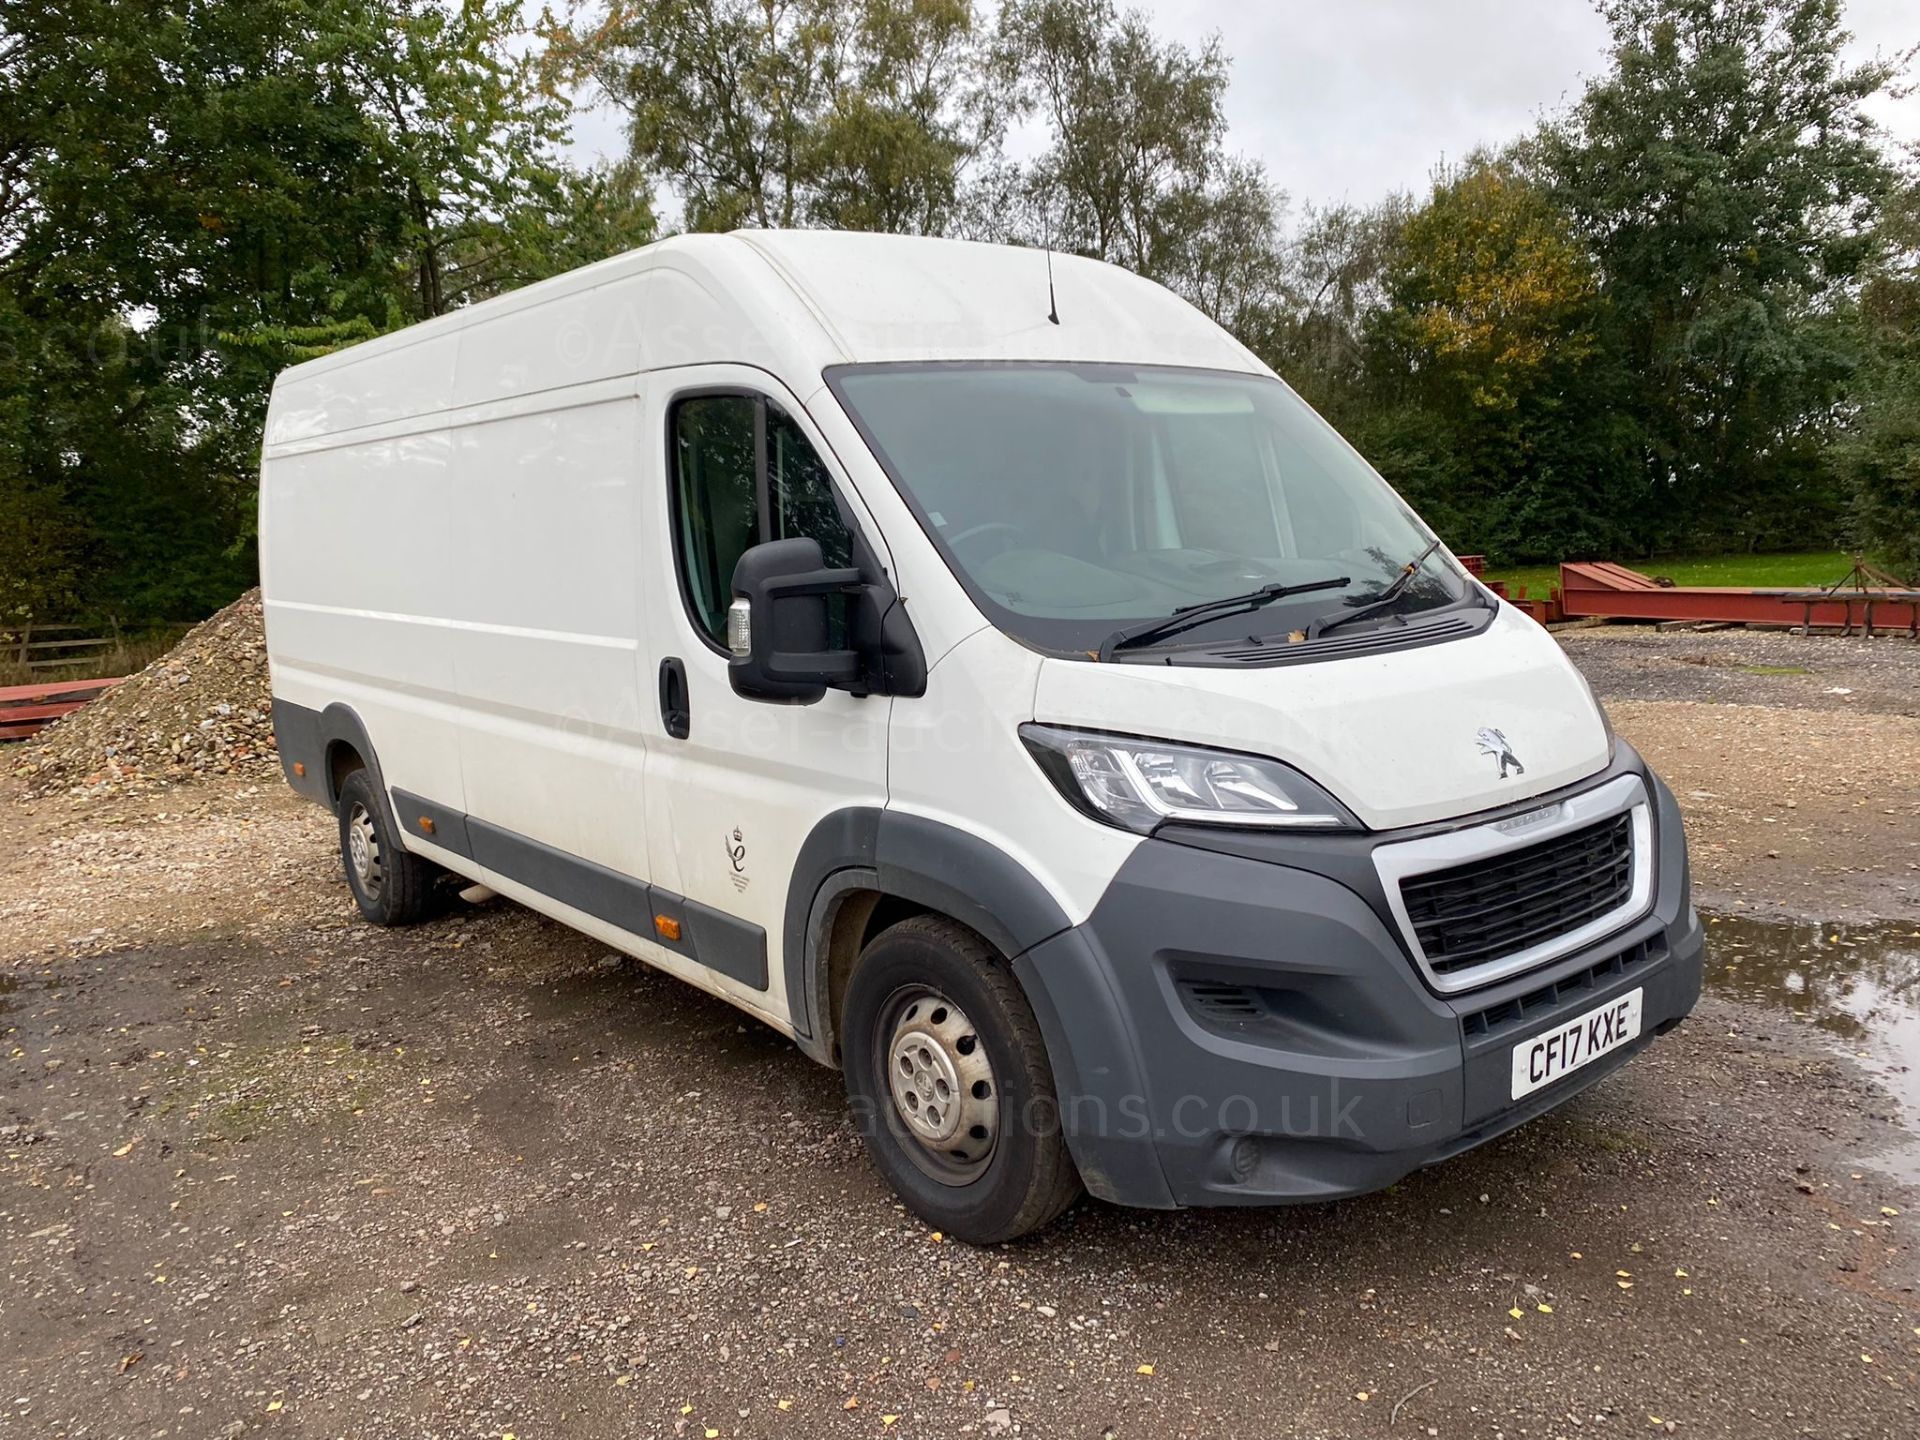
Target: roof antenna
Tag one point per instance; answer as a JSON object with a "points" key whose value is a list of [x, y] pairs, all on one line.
{"points": [[1053, 306]]}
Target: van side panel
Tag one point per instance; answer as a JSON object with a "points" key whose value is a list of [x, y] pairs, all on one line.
{"points": [[546, 559], [354, 558], [409, 377], [540, 346]]}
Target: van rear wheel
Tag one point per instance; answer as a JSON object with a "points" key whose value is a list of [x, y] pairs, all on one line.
{"points": [[949, 1079], [392, 885]]}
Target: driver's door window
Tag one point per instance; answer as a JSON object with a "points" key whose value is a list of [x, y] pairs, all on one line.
{"points": [[743, 473]]}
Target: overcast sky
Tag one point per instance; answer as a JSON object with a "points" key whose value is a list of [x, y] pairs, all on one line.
{"points": [[1354, 99]]}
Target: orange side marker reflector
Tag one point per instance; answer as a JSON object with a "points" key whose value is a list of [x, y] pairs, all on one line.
{"points": [[667, 926], [299, 767], [426, 824]]}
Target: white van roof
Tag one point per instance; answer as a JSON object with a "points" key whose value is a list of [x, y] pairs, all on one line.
{"points": [[792, 302], [903, 297]]}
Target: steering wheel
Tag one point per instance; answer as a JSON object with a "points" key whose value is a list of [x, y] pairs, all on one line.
{"points": [[973, 532]]}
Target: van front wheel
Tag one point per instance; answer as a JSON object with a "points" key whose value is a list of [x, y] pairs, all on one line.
{"points": [[392, 885], [949, 1080]]}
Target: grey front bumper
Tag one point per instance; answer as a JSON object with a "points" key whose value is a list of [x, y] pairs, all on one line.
{"points": [[1229, 1030]]}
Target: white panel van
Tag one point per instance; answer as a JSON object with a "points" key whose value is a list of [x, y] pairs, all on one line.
{"points": [[990, 675]]}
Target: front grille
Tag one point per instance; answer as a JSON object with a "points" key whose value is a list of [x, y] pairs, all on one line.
{"points": [[1487, 909], [1526, 1011]]}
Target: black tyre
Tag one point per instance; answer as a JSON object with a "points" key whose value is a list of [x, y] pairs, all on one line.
{"points": [[949, 1081], [392, 885]]}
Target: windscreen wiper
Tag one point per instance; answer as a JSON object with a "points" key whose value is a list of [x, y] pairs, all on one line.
{"points": [[1379, 602], [1188, 616]]}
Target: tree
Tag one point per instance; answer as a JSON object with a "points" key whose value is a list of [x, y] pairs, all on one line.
{"points": [[195, 194], [462, 131], [1137, 172], [906, 118], [1882, 454], [1334, 269], [1493, 287], [1227, 258], [1136, 125], [40, 548], [576, 217], [1490, 326], [859, 114], [1726, 178]]}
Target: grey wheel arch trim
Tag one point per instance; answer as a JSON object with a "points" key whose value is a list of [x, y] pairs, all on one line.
{"points": [[962, 876], [296, 738], [308, 736], [908, 857], [340, 725]]}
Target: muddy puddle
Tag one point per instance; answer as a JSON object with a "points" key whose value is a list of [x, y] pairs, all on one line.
{"points": [[1857, 986]]}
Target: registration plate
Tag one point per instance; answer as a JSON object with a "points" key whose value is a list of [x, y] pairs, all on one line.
{"points": [[1565, 1048]]}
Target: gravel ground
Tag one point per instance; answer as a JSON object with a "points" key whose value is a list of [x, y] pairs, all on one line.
{"points": [[1749, 667], [267, 1170], [1802, 789], [1819, 820]]}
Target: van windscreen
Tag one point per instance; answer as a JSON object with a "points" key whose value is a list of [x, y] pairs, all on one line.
{"points": [[1072, 499]]}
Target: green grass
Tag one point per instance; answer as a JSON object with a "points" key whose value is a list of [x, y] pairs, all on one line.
{"points": [[1788, 571]]}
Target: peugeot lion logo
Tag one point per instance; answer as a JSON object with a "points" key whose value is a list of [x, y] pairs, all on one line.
{"points": [[1493, 742]]}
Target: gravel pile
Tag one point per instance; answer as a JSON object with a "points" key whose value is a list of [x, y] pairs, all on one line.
{"points": [[200, 709]]}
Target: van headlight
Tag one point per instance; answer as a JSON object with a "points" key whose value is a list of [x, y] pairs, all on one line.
{"points": [[1138, 784]]}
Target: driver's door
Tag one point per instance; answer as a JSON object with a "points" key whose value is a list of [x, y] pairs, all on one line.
{"points": [[734, 785]]}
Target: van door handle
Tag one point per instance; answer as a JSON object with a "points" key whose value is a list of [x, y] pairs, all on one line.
{"points": [[673, 698]]}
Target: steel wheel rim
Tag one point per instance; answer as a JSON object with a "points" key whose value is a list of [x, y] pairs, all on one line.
{"points": [[946, 1099], [363, 848]]}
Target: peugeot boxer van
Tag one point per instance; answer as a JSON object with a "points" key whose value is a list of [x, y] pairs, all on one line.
{"points": [[979, 667]]}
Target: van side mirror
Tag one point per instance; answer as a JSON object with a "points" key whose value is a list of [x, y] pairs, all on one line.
{"points": [[779, 627]]}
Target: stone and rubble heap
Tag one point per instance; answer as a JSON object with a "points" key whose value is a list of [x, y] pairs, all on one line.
{"points": [[202, 709]]}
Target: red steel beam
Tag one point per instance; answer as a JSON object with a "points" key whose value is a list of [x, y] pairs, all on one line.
{"points": [[1604, 575], [54, 689], [25, 710], [1585, 593]]}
